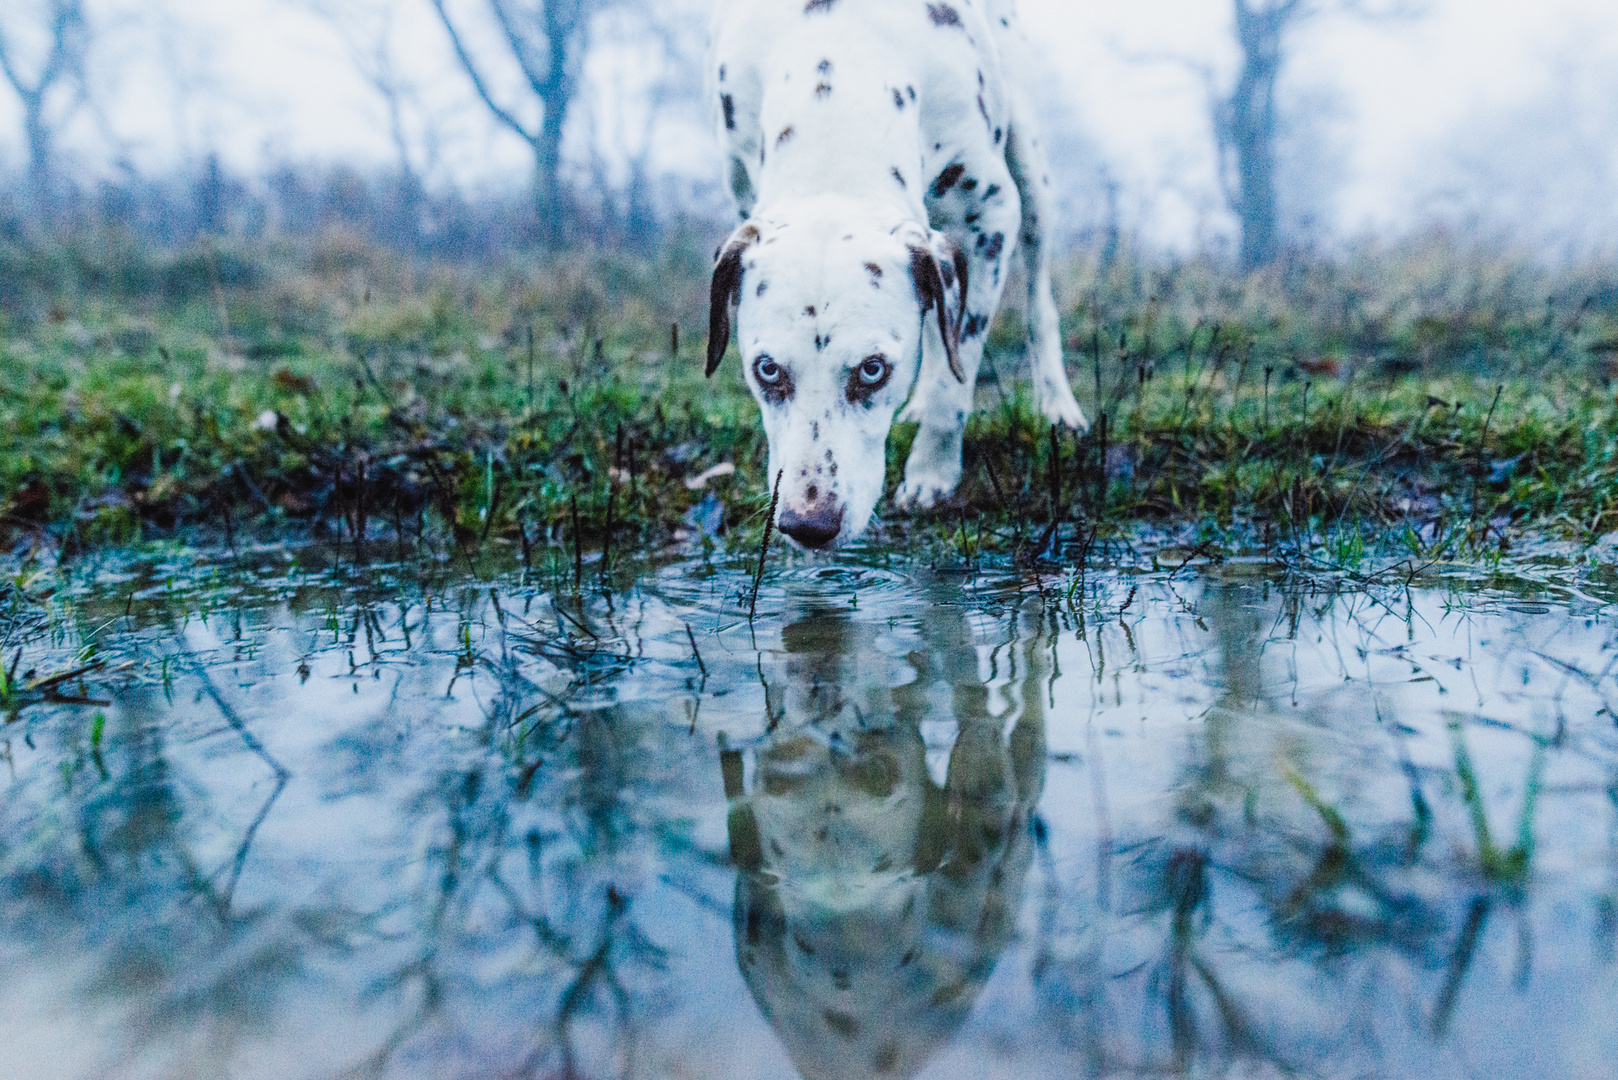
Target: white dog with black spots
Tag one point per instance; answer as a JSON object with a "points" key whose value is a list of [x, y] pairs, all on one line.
{"points": [[886, 168]]}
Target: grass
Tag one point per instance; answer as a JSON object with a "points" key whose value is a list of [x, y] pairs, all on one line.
{"points": [[559, 409]]}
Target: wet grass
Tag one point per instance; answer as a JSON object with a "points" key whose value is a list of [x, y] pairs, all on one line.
{"points": [[558, 411]]}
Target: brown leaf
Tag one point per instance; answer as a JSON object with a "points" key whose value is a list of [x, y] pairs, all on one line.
{"points": [[293, 383]]}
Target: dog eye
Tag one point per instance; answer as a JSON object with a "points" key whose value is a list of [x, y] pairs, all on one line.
{"points": [[874, 372], [767, 370]]}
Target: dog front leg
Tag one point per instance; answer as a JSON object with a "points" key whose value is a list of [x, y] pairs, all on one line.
{"points": [[1053, 396], [941, 404]]}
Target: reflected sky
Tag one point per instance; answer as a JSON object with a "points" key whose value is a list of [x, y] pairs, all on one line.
{"points": [[903, 824]]}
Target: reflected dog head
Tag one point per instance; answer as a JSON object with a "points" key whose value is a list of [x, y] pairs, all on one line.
{"points": [[878, 880]]}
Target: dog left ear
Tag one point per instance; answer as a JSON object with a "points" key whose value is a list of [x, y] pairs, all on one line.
{"points": [[939, 270], [725, 294]]}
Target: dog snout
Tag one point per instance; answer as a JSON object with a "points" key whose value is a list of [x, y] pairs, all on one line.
{"points": [[814, 527]]}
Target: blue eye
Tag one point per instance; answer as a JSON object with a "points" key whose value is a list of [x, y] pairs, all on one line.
{"points": [[874, 372], [767, 370]]}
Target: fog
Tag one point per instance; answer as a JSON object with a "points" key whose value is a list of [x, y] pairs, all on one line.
{"points": [[1495, 116]]}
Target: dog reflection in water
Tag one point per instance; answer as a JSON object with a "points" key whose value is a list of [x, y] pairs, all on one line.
{"points": [[874, 893]]}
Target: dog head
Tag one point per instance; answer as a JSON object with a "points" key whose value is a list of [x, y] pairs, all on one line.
{"points": [[832, 302]]}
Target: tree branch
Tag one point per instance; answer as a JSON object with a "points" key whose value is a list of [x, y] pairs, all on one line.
{"points": [[478, 83], [519, 50]]}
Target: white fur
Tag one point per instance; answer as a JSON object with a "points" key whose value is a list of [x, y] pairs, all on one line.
{"points": [[857, 130]]}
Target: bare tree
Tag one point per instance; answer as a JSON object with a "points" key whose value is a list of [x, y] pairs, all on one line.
{"points": [[55, 87], [644, 93], [1246, 118], [547, 40], [367, 33]]}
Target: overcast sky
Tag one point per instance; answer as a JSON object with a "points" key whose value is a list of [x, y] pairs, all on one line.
{"points": [[260, 80]]}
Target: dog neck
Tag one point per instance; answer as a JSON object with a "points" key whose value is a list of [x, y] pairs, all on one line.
{"points": [[850, 128]]}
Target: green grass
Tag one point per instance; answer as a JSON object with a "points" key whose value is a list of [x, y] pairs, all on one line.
{"points": [[338, 391]]}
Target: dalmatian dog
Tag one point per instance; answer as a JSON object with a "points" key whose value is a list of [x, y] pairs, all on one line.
{"points": [[886, 169]]}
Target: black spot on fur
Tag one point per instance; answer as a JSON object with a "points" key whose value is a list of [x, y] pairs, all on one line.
{"points": [[969, 184], [899, 176], [974, 325], [998, 135], [823, 90], [728, 104], [818, 5], [810, 311], [973, 217], [898, 100], [721, 72], [873, 269], [990, 192], [763, 287], [984, 109], [997, 244], [824, 67], [843, 1024], [943, 15], [786, 133], [886, 1059], [947, 272], [947, 179], [911, 90], [822, 342]]}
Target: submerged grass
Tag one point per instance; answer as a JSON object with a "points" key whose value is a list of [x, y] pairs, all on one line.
{"points": [[345, 395]]}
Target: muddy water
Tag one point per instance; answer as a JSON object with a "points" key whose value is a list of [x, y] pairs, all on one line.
{"points": [[1225, 822]]}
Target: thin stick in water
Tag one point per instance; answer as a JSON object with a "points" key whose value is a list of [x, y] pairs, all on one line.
{"points": [[578, 549], [696, 652], [764, 545]]}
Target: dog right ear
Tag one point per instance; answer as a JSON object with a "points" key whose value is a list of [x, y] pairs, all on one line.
{"points": [[725, 294], [939, 269]]}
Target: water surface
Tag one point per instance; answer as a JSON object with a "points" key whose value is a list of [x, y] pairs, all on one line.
{"points": [[1225, 821]]}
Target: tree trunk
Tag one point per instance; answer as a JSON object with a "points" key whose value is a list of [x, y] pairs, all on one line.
{"points": [[1250, 129], [562, 30], [39, 155]]}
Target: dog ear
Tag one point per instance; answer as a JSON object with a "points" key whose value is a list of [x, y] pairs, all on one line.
{"points": [[725, 294], [940, 273]]}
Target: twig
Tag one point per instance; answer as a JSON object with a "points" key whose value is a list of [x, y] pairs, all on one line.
{"points": [[696, 652], [494, 508], [578, 550], [1055, 477], [764, 545]]}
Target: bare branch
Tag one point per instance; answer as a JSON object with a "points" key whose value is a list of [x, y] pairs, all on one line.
{"points": [[478, 83], [520, 49]]}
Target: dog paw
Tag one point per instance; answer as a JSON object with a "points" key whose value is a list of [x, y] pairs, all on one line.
{"points": [[924, 489], [1057, 404], [921, 494]]}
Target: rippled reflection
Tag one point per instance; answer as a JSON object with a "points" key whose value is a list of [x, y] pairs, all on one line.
{"points": [[898, 824], [876, 893]]}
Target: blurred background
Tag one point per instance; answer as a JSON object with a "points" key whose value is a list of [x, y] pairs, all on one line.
{"points": [[1237, 130]]}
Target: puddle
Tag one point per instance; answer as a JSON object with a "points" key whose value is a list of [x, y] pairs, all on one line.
{"points": [[900, 824]]}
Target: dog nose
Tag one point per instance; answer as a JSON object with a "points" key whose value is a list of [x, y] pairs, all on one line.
{"points": [[814, 528]]}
